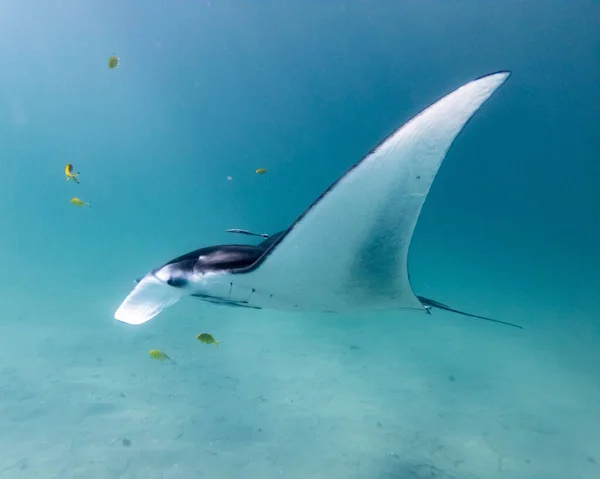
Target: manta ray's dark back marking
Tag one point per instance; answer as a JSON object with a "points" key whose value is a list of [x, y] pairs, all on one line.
{"points": [[279, 239], [221, 257], [218, 258]]}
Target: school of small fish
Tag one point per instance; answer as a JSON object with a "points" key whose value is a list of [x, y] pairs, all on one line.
{"points": [[205, 338], [71, 174], [113, 62]]}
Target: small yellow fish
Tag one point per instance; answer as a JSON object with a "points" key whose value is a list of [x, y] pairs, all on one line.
{"points": [[113, 62], [69, 173], [261, 171], [208, 339], [160, 355], [78, 202]]}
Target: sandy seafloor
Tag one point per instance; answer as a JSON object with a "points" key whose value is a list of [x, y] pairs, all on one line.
{"points": [[398, 396], [208, 90]]}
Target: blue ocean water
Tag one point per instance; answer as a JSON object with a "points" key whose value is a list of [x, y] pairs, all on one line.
{"points": [[213, 89]]}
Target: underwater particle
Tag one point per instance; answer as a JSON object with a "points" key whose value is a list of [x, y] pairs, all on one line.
{"points": [[69, 173], [591, 460], [78, 202], [208, 339], [451, 378], [354, 347], [113, 61], [379, 424], [229, 178], [159, 355], [261, 171], [126, 442]]}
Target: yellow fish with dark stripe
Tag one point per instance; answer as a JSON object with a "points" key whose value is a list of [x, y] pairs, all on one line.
{"points": [[78, 202], [159, 355], [113, 61], [69, 173], [208, 339]]}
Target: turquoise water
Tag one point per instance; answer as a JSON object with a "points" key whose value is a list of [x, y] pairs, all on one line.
{"points": [[207, 90]]}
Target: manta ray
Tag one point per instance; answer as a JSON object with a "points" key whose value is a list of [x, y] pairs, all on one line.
{"points": [[348, 252]]}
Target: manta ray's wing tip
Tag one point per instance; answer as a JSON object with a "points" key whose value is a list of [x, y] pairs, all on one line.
{"points": [[505, 73], [500, 75], [492, 81]]}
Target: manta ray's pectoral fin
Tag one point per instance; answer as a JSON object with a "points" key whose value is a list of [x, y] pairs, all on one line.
{"points": [[430, 303]]}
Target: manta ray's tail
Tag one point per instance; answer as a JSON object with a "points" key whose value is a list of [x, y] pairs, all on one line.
{"points": [[430, 303]]}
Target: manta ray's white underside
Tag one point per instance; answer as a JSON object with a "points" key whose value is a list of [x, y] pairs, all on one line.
{"points": [[349, 250]]}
